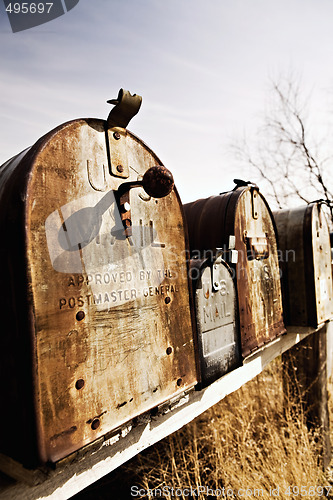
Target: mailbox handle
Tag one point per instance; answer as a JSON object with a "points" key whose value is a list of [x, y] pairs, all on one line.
{"points": [[157, 182], [257, 248]]}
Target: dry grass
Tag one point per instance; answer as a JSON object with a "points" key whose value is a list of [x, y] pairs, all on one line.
{"points": [[248, 441]]}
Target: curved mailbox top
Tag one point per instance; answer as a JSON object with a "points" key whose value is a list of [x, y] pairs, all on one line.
{"points": [[241, 221], [304, 241], [97, 300]]}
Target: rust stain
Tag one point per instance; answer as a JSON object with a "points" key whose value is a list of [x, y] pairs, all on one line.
{"points": [[211, 222], [305, 246], [107, 305], [65, 433]]}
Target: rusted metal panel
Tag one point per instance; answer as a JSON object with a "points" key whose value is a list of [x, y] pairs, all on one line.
{"points": [[216, 317], [241, 220], [304, 243], [99, 325]]}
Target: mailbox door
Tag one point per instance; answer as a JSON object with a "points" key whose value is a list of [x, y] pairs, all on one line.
{"points": [[245, 215], [111, 317], [321, 263], [217, 319], [258, 277], [305, 265]]}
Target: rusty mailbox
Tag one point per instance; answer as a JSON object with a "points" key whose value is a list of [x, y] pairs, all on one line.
{"points": [[216, 317], [95, 295], [241, 221], [304, 244]]}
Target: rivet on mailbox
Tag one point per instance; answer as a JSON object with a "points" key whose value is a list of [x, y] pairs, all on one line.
{"points": [[304, 243], [240, 221], [96, 323]]}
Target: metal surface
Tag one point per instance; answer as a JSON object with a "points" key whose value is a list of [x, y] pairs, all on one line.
{"points": [[97, 327], [117, 149], [304, 243], [217, 319], [244, 214], [157, 182], [126, 106]]}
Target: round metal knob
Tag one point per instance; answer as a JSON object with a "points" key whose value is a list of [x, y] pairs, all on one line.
{"points": [[158, 181]]}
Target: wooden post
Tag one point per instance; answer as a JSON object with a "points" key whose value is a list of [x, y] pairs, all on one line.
{"points": [[305, 381]]}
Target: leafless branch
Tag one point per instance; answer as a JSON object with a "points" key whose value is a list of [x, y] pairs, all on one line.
{"points": [[286, 158]]}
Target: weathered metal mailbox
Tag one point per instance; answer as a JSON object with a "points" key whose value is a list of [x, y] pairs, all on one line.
{"points": [[304, 244], [95, 294], [241, 220], [216, 317]]}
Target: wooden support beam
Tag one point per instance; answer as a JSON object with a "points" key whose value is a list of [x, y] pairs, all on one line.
{"points": [[305, 386], [84, 469]]}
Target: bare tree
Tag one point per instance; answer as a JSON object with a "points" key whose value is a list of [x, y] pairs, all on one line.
{"points": [[286, 159]]}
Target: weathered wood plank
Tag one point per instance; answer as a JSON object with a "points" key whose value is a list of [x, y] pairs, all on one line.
{"points": [[75, 476]]}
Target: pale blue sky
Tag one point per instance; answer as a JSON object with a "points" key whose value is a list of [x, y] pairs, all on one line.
{"points": [[202, 68]]}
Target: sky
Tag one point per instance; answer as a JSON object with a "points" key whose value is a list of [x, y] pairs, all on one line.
{"points": [[202, 68]]}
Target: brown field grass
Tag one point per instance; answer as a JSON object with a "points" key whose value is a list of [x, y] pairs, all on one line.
{"points": [[250, 444]]}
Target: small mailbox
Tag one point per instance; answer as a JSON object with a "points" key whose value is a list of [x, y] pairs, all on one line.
{"points": [[95, 292], [241, 224], [216, 317], [304, 244]]}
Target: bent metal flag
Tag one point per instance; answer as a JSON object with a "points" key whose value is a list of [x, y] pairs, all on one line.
{"points": [[23, 15]]}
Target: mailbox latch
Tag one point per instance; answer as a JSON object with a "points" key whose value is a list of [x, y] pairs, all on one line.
{"points": [[257, 246], [231, 256], [254, 194], [217, 285]]}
